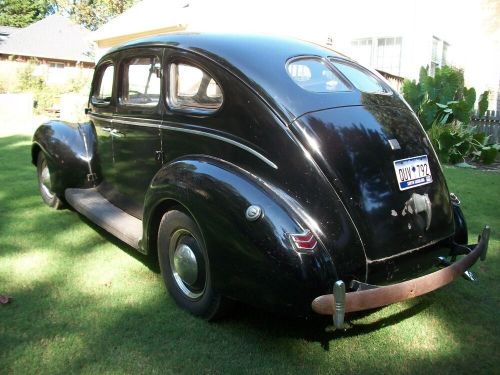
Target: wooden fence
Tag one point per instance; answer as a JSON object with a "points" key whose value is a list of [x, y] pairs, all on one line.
{"points": [[488, 124]]}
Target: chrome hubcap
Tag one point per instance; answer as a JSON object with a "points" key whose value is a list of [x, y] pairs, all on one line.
{"points": [[187, 264], [45, 180]]}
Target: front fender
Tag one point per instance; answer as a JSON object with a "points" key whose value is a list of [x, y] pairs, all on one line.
{"points": [[250, 261], [69, 149]]}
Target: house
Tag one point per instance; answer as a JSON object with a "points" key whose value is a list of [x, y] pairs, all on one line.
{"points": [[59, 49]]}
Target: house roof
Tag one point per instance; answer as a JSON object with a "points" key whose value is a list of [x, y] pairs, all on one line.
{"points": [[5, 31], [54, 37], [146, 15]]}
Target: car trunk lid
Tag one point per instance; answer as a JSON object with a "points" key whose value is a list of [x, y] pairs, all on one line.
{"points": [[356, 147]]}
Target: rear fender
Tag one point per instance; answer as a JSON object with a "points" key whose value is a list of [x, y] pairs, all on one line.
{"points": [[251, 261]]}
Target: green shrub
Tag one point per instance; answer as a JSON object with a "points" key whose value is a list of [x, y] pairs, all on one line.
{"points": [[444, 106], [46, 97]]}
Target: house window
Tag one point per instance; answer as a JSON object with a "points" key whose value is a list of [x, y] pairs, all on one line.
{"points": [[381, 53], [435, 47], [193, 90], [389, 55], [444, 58], [56, 75], [439, 54], [141, 81], [54, 65], [362, 50]]}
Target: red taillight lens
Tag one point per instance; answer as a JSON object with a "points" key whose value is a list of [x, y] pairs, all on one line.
{"points": [[304, 241]]}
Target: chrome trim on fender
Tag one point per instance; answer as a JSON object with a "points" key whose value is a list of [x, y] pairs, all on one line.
{"points": [[190, 131]]}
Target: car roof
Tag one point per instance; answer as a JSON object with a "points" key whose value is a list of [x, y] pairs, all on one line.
{"points": [[258, 60]]}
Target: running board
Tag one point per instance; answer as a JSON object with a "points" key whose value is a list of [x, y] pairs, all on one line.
{"points": [[90, 203]]}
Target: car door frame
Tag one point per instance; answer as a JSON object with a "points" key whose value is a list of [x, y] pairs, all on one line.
{"points": [[137, 139], [101, 117]]}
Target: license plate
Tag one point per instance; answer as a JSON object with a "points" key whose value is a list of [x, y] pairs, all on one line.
{"points": [[413, 172]]}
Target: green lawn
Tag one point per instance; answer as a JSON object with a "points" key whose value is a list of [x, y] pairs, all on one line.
{"points": [[83, 302]]}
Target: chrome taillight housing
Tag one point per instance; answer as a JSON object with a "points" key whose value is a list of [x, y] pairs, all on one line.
{"points": [[303, 241]]}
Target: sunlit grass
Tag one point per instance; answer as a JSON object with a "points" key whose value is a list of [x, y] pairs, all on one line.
{"points": [[85, 303]]}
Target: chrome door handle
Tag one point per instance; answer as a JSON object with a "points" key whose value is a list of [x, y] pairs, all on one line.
{"points": [[116, 133]]}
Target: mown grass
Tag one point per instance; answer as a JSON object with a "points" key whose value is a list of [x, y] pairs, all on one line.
{"points": [[83, 302]]}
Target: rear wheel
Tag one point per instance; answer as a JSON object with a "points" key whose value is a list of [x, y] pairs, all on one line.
{"points": [[45, 184], [185, 266]]}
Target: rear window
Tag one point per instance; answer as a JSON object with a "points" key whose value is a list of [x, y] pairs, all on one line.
{"points": [[193, 90], [313, 74], [360, 78]]}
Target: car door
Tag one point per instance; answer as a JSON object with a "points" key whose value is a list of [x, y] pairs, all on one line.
{"points": [[102, 109], [136, 133]]}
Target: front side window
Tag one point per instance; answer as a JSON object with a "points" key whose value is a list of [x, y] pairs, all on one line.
{"points": [[192, 89], [313, 74], [104, 89], [141, 81]]}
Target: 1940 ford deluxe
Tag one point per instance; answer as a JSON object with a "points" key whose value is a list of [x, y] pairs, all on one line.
{"points": [[259, 169]]}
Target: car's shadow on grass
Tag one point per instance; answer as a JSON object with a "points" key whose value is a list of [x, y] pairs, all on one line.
{"points": [[318, 328], [315, 329], [150, 261]]}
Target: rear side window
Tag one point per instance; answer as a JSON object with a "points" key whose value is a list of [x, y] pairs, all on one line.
{"points": [[313, 74], [141, 81], [191, 89], [104, 89], [362, 79]]}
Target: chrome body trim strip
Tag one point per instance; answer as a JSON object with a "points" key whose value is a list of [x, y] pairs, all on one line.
{"points": [[161, 125]]}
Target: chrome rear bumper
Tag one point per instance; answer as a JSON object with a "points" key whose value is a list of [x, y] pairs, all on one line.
{"points": [[339, 303]]}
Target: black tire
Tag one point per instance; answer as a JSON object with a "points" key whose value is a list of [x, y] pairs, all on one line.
{"points": [[177, 230], [44, 183]]}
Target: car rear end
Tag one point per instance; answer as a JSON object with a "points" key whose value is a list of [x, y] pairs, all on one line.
{"points": [[378, 160]]}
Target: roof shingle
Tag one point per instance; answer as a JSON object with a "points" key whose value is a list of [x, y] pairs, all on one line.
{"points": [[54, 37]]}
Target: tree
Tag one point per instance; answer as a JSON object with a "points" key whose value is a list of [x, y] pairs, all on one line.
{"points": [[92, 13], [88, 13], [21, 13]]}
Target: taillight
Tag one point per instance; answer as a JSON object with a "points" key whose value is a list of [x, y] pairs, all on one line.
{"points": [[304, 241]]}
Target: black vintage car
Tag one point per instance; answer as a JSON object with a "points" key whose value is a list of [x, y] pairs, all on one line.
{"points": [[260, 169]]}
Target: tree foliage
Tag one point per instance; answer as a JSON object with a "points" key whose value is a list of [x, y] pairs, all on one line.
{"points": [[88, 13], [92, 13], [21, 13]]}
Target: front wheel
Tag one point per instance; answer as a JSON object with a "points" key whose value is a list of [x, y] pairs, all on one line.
{"points": [[185, 266], [45, 184]]}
